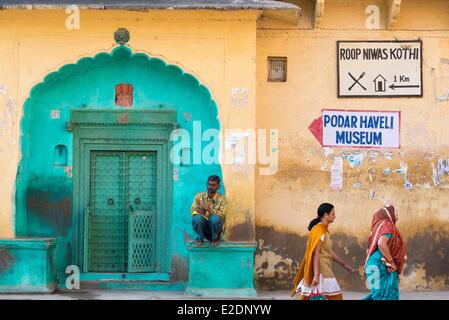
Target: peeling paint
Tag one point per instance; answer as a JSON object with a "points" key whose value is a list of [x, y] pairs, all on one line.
{"points": [[402, 170], [408, 185], [435, 177], [274, 247], [337, 174], [373, 155], [328, 151], [239, 97], [280, 252], [355, 160], [443, 167]]}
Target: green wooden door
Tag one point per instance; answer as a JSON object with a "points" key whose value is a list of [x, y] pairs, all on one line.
{"points": [[107, 213], [122, 212]]}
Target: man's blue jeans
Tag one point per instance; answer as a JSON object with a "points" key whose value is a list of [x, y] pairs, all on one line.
{"points": [[208, 229]]}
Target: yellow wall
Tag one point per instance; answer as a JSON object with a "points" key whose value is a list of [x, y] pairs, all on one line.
{"points": [[228, 49], [216, 46], [287, 201]]}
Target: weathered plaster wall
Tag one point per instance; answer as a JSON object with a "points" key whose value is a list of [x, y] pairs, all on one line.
{"points": [[287, 201], [218, 48]]}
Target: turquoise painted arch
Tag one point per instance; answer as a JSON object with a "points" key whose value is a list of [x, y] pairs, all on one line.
{"points": [[44, 179]]}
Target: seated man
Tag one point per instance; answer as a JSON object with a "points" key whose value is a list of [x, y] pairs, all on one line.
{"points": [[208, 213]]}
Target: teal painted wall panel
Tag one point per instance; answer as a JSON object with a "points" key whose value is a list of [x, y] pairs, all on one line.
{"points": [[44, 190], [27, 265], [225, 270]]}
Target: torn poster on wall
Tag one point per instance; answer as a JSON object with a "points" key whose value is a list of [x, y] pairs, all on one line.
{"points": [[443, 167], [439, 170], [353, 128], [337, 174], [355, 160]]}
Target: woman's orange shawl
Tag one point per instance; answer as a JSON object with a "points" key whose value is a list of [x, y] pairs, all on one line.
{"points": [[305, 270]]}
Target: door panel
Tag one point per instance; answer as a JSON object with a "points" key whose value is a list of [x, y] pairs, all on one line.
{"points": [[107, 218], [141, 241], [142, 197], [122, 212]]}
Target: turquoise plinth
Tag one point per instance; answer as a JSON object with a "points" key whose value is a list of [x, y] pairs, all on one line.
{"points": [[226, 270], [27, 265]]}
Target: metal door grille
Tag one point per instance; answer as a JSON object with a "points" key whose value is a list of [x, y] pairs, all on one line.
{"points": [[141, 242], [142, 195], [122, 212], [107, 217]]}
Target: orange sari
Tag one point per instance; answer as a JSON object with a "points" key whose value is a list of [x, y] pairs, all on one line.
{"points": [[305, 270]]}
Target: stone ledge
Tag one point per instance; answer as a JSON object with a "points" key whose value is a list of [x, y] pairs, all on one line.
{"points": [[27, 265], [225, 270]]}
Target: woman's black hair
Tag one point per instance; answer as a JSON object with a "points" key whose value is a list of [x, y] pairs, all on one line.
{"points": [[324, 208]]}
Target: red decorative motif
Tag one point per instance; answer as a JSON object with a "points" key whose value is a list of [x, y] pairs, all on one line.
{"points": [[124, 95]]}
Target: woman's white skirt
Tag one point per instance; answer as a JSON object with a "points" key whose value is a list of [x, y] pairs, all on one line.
{"points": [[326, 286]]}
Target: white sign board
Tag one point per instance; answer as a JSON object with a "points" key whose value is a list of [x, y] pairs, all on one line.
{"points": [[361, 129], [379, 68]]}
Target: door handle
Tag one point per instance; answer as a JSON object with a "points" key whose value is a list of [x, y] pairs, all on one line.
{"points": [[131, 209]]}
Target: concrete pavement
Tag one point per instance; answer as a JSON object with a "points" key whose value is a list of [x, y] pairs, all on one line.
{"points": [[176, 295]]}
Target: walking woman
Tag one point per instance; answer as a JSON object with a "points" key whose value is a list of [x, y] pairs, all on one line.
{"points": [[315, 271], [385, 256]]}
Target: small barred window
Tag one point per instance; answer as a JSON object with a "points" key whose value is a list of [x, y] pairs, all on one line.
{"points": [[277, 69]]}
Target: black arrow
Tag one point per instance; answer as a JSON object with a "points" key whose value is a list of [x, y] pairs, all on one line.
{"points": [[393, 86]]}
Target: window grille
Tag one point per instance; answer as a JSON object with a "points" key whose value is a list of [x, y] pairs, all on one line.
{"points": [[277, 69]]}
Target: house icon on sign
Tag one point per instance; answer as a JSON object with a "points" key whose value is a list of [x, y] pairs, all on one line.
{"points": [[379, 83]]}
